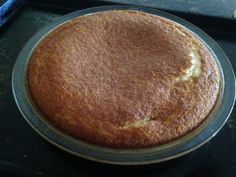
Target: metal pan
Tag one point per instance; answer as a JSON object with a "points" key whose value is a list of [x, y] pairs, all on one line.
{"points": [[208, 129]]}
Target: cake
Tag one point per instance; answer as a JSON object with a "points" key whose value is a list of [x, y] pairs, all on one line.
{"points": [[123, 79]]}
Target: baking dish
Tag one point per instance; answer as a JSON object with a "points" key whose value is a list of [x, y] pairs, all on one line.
{"points": [[214, 122]]}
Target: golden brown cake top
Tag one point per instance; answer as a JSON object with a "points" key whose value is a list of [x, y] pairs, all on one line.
{"points": [[123, 79]]}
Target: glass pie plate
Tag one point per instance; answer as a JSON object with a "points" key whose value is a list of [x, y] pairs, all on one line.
{"points": [[196, 138]]}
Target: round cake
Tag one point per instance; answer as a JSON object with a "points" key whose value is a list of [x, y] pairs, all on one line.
{"points": [[123, 79]]}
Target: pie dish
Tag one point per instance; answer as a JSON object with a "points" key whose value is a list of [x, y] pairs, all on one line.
{"points": [[142, 83]]}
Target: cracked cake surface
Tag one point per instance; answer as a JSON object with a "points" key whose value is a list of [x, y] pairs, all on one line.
{"points": [[123, 79]]}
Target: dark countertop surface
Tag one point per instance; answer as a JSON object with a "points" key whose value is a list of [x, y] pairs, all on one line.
{"points": [[24, 153], [215, 8]]}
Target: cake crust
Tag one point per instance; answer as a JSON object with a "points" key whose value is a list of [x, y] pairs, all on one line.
{"points": [[123, 79]]}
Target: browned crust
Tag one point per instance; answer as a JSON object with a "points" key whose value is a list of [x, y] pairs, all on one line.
{"points": [[110, 79]]}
